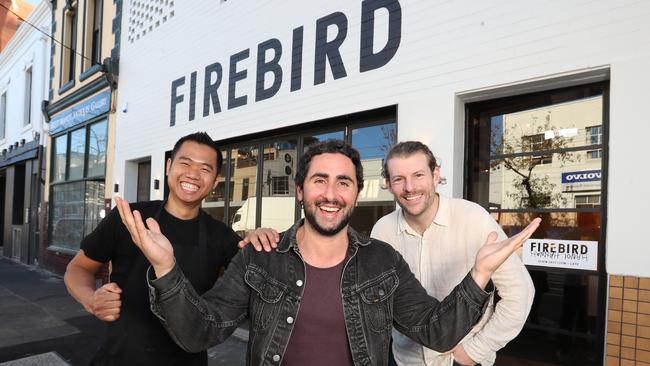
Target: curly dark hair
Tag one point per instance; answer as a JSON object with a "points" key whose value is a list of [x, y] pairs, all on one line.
{"points": [[329, 147], [200, 138], [406, 149]]}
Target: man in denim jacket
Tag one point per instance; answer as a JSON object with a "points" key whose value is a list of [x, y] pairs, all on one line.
{"points": [[327, 295]]}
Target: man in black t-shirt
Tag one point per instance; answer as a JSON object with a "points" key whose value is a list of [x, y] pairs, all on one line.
{"points": [[202, 246]]}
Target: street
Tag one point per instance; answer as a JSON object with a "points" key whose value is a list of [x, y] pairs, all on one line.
{"points": [[40, 324]]}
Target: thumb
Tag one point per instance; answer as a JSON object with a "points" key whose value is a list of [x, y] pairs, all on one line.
{"points": [[153, 225], [113, 287], [242, 243], [492, 237]]}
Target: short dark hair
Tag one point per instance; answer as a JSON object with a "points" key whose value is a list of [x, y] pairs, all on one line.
{"points": [[329, 147], [200, 138], [406, 149]]}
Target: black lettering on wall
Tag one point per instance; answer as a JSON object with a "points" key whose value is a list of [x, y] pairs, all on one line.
{"points": [[329, 50], [368, 60], [233, 77], [210, 89], [192, 96], [175, 99], [296, 59], [271, 66]]}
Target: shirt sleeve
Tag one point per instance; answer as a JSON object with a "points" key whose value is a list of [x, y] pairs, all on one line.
{"points": [[100, 244], [515, 287]]}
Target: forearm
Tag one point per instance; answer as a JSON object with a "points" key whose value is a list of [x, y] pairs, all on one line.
{"points": [[516, 291], [437, 325], [81, 286]]}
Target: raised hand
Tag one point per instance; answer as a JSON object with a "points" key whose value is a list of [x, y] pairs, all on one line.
{"points": [[261, 238], [106, 302], [492, 254], [153, 244]]}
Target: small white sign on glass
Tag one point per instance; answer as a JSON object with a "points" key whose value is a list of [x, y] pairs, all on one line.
{"points": [[572, 254]]}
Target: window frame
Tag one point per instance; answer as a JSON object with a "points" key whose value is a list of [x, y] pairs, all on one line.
{"points": [[68, 54], [346, 124]]}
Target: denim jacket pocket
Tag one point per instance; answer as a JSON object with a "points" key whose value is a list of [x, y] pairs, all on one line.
{"points": [[266, 303], [376, 296]]}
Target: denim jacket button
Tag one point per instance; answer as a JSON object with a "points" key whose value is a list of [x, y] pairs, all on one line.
{"points": [[290, 320], [276, 358], [299, 283], [381, 292]]}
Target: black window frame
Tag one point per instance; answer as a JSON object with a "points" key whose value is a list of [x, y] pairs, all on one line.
{"points": [[345, 124], [86, 126], [535, 100]]}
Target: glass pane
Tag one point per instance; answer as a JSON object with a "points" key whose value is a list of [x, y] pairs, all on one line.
{"points": [[58, 158], [564, 315], [77, 153], [312, 139], [557, 126], [278, 188], [527, 182], [144, 181], [244, 182], [67, 215], [374, 202], [94, 205], [214, 203], [97, 149]]}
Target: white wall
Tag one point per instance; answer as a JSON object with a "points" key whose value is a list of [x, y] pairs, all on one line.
{"points": [[448, 50], [27, 48]]}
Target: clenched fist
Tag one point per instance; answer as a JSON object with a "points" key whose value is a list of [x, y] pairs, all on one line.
{"points": [[106, 302]]}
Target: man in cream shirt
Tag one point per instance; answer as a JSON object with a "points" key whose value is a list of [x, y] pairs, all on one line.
{"points": [[439, 237]]}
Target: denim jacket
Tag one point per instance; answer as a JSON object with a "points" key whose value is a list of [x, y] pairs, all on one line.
{"points": [[377, 287]]}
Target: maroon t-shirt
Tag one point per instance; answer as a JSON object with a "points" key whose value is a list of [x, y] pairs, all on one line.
{"points": [[319, 336]]}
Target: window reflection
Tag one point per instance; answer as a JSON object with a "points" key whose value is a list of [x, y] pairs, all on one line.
{"points": [[557, 126], [244, 180], [519, 182], [278, 187], [77, 153], [312, 139], [59, 160], [97, 149], [373, 143]]}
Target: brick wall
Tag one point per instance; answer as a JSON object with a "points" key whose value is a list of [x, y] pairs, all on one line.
{"points": [[628, 322]]}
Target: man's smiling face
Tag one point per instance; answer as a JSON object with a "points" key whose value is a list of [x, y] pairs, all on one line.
{"points": [[329, 193], [192, 174]]}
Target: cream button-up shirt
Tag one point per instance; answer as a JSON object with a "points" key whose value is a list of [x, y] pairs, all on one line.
{"points": [[440, 258]]}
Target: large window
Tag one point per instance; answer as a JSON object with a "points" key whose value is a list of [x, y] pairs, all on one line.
{"points": [[265, 166], [78, 167], [540, 155]]}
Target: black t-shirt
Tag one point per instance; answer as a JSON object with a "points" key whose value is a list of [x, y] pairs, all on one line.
{"points": [[137, 337]]}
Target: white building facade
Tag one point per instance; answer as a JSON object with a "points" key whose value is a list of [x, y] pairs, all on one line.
{"points": [[534, 109], [24, 80]]}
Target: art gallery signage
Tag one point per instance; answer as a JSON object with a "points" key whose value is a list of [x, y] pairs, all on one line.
{"points": [[90, 108]]}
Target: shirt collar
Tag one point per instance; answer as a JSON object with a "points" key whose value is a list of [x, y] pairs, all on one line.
{"points": [[443, 216]]}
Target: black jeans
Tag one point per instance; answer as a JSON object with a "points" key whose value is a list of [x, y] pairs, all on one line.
{"points": [[457, 364]]}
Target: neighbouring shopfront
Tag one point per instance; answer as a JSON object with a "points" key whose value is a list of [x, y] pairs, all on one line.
{"points": [[79, 136]]}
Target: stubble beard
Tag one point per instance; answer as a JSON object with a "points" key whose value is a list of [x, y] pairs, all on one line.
{"points": [[310, 215]]}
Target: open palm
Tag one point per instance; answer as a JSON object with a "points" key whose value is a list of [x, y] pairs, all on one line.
{"points": [[492, 254], [153, 244]]}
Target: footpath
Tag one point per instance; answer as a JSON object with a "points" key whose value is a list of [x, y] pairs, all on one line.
{"points": [[40, 324]]}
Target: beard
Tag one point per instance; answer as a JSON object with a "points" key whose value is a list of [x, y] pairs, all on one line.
{"points": [[310, 215]]}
